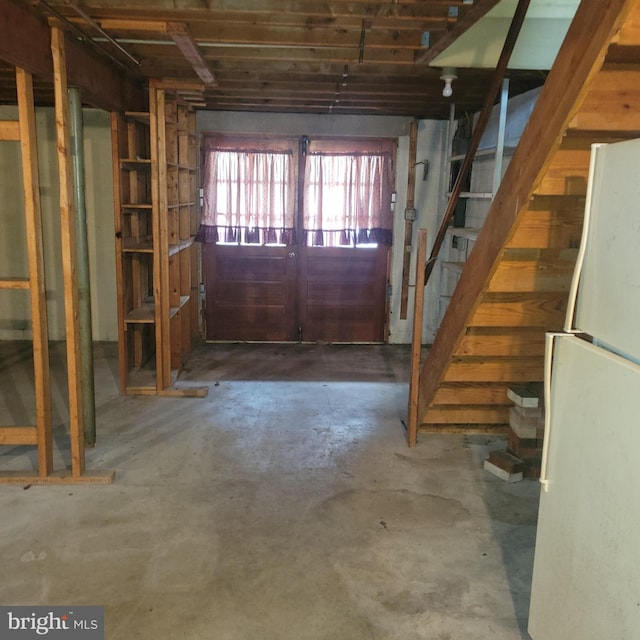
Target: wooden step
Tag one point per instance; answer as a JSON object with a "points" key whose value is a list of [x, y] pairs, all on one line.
{"points": [[550, 222], [495, 370], [532, 270], [469, 414], [478, 393], [545, 310], [501, 341], [612, 103]]}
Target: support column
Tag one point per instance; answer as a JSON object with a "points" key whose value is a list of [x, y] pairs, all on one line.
{"points": [[69, 260], [83, 274]]}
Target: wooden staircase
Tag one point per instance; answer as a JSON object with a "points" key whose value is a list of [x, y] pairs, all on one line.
{"points": [[514, 285]]}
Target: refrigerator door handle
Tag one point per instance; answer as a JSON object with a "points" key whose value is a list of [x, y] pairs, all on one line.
{"points": [[548, 358], [569, 320]]}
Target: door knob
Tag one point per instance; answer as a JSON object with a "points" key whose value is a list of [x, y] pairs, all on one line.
{"points": [[292, 254]]}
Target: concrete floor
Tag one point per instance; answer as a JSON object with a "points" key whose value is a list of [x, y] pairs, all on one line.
{"points": [[284, 506]]}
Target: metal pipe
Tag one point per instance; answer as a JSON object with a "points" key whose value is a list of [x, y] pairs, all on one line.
{"points": [[82, 250], [80, 33], [89, 20]]}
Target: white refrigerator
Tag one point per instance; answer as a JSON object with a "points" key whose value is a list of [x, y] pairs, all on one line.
{"points": [[586, 574]]}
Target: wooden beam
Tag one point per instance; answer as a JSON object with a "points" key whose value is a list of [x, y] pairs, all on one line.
{"points": [[9, 130], [18, 435], [25, 42], [69, 259], [416, 342], [160, 235], [15, 283], [408, 219], [184, 41], [58, 477], [35, 257], [577, 63]]}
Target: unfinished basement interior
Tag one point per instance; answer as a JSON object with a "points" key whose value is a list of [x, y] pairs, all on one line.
{"points": [[318, 320]]}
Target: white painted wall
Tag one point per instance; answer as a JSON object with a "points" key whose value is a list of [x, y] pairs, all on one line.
{"points": [[429, 193], [519, 110], [15, 311]]}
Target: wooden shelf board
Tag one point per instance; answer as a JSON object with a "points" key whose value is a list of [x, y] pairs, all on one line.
{"points": [[181, 246], [135, 164], [139, 116], [144, 314], [143, 245], [136, 206], [173, 311]]}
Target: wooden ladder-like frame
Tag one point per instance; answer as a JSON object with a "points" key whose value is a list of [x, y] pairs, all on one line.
{"points": [[23, 131]]}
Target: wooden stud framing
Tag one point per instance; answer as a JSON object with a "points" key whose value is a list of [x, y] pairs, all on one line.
{"points": [[416, 343], [408, 222], [39, 435], [33, 218], [67, 220]]}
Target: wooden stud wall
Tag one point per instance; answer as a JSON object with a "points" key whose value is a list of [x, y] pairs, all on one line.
{"points": [[40, 435]]}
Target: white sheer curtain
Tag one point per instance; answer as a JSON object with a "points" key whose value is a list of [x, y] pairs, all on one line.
{"points": [[347, 199], [248, 196]]}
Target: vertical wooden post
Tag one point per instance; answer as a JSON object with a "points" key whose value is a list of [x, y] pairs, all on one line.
{"points": [[117, 125], [416, 342], [160, 235], [409, 217], [35, 253], [68, 239]]}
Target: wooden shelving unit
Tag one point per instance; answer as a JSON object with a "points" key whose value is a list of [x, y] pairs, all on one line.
{"points": [[155, 164]]}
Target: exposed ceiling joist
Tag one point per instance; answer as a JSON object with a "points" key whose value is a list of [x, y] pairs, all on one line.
{"points": [[291, 55], [25, 41], [180, 34]]}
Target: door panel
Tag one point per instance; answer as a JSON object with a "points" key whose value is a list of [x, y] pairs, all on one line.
{"points": [[342, 294], [250, 293], [585, 577], [269, 293]]}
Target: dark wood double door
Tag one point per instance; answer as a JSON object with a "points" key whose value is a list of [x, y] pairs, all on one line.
{"points": [[311, 294]]}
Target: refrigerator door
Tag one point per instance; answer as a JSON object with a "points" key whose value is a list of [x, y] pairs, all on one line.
{"points": [[586, 575], [607, 275]]}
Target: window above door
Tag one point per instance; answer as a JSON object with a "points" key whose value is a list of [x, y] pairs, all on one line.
{"points": [[280, 191]]}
